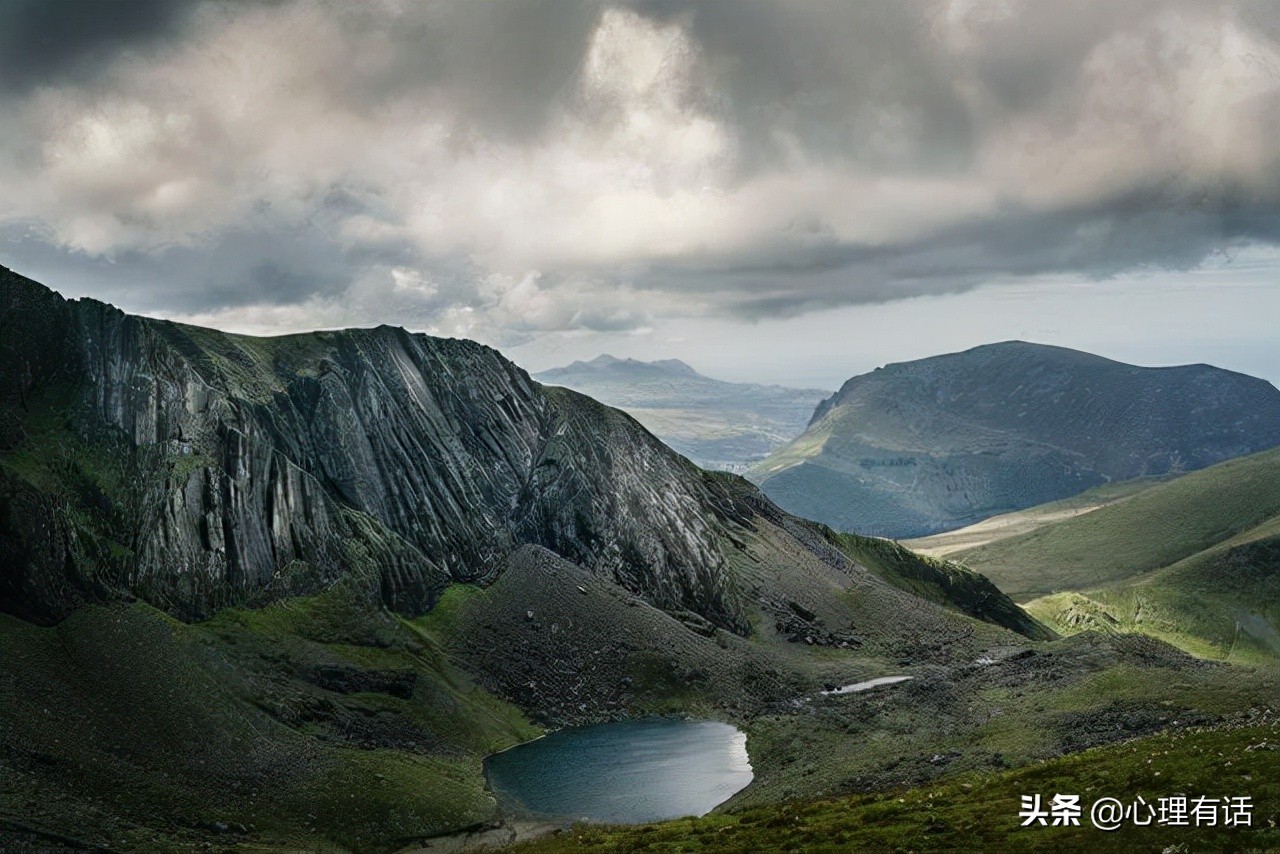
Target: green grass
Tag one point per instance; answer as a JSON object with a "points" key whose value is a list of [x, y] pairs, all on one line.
{"points": [[1155, 528], [939, 581], [1074, 693], [124, 727], [803, 448], [1020, 522], [979, 811], [1222, 603], [55, 458], [442, 620], [1193, 561]]}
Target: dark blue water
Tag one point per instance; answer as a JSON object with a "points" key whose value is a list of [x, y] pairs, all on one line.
{"points": [[624, 772]]}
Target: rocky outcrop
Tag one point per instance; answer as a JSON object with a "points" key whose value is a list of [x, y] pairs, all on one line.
{"points": [[935, 444], [228, 468]]}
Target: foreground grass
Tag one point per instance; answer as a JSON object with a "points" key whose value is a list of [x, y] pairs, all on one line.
{"points": [[980, 811], [121, 727]]}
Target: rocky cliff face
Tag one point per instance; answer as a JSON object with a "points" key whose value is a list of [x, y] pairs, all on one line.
{"points": [[935, 444], [196, 469]]}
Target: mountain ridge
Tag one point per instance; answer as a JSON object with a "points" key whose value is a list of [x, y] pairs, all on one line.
{"points": [[606, 361], [198, 469], [297, 425], [919, 447]]}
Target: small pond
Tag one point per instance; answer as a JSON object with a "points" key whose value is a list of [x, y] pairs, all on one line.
{"points": [[623, 772]]}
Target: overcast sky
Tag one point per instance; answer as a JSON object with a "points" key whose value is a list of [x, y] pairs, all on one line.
{"points": [[781, 192]]}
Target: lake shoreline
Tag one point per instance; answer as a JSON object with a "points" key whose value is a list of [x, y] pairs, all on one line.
{"points": [[629, 771]]}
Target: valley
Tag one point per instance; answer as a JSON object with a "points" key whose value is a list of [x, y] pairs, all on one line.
{"points": [[716, 424], [291, 593]]}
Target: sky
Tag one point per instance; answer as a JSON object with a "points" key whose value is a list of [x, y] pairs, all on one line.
{"points": [[771, 191]]}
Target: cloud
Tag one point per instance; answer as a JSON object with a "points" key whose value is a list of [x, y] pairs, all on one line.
{"points": [[43, 43], [506, 169]]}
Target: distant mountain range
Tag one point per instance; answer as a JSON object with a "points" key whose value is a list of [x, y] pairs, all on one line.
{"points": [[932, 445], [716, 424]]}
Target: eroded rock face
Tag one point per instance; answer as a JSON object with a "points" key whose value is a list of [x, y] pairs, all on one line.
{"points": [[197, 469]]}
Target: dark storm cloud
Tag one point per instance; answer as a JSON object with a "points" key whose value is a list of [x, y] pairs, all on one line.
{"points": [[826, 71], [1097, 240], [505, 64], [237, 268], [44, 42], [551, 164]]}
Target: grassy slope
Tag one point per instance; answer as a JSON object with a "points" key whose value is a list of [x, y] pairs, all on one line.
{"points": [[157, 731], [1020, 522], [939, 581], [1073, 694], [1155, 528], [1221, 603], [1194, 561], [979, 811], [126, 728]]}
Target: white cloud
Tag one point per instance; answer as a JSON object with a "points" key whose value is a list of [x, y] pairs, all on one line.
{"points": [[641, 191]]}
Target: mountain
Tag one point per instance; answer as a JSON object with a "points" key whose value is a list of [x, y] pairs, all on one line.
{"points": [[209, 469], [288, 592], [1194, 560], [716, 424], [919, 447]]}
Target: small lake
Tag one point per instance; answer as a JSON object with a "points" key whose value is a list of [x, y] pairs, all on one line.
{"points": [[624, 772]]}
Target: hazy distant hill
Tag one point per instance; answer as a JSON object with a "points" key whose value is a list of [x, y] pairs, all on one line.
{"points": [[931, 445], [717, 424]]}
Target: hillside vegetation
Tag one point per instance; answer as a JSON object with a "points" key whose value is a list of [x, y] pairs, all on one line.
{"points": [[1194, 561], [1155, 528], [312, 724], [1019, 522], [1221, 603]]}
